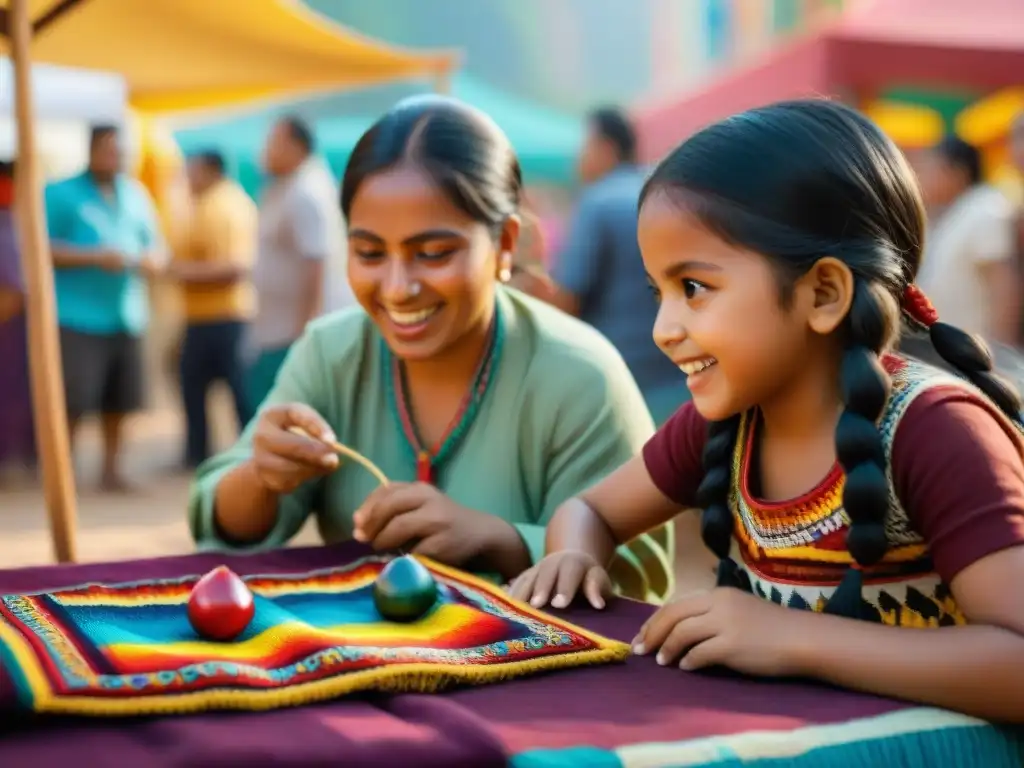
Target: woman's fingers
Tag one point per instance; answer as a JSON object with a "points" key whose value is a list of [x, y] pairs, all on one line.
{"points": [[302, 450], [309, 421], [402, 529], [273, 436], [285, 459], [383, 505], [282, 475]]}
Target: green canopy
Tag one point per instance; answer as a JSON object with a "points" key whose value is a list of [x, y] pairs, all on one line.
{"points": [[545, 140]]}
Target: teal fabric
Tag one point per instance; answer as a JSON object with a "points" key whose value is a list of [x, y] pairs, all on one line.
{"points": [[968, 747], [533, 537], [90, 299], [546, 141], [963, 747], [260, 377], [574, 757]]}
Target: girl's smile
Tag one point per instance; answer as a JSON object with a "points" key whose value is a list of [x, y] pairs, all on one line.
{"points": [[698, 371]]}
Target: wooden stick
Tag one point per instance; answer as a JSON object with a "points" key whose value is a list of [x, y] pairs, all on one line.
{"points": [[344, 450], [47, 376]]}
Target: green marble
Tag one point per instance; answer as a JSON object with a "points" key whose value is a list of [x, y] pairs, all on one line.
{"points": [[404, 591]]}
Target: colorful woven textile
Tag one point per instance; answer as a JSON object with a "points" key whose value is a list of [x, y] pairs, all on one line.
{"points": [[129, 649]]}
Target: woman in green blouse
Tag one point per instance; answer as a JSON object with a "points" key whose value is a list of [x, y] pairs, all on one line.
{"points": [[486, 409]]}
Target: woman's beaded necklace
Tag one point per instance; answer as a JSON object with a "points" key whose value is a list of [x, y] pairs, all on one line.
{"points": [[429, 460]]}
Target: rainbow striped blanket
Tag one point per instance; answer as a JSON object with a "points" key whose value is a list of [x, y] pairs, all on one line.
{"points": [[129, 649]]}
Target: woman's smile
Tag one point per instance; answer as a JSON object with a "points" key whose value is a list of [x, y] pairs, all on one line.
{"points": [[409, 324]]}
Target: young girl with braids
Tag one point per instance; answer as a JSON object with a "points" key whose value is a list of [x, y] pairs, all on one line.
{"points": [[872, 491]]}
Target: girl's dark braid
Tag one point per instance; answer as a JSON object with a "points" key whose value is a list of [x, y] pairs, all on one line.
{"points": [[716, 525], [966, 353], [865, 389]]}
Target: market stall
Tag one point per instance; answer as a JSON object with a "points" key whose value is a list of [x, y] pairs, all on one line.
{"points": [[876, 45], [189, 54]]}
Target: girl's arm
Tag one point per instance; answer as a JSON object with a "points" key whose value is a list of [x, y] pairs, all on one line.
{"points": [[977, 669], [619, 508], [645, 492]]}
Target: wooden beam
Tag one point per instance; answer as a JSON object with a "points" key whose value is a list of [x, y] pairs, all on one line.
{"points": [[47, 19], [54, 14], [51, 423]]}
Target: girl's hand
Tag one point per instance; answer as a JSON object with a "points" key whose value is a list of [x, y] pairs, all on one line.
{"points": [[420, 518], [283, 460], [563, 574], [725, 627]]}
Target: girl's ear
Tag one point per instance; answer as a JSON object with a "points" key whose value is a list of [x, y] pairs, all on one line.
{"points": [[826, 292]]}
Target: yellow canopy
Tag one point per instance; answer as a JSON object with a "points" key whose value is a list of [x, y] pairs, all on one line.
{"points": [[911, 126], [192, 54], [989, 119]]}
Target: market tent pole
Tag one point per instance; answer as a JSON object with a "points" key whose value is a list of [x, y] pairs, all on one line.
{"points": [[47, 375]]}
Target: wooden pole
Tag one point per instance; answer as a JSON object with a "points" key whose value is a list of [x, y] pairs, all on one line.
{"points": [[51, 423]]}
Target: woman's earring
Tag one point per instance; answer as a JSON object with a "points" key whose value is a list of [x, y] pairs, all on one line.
{"points": [[505, 273]]}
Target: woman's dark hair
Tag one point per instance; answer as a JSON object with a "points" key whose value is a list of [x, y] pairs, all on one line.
{"points": [[797, 181], [961, 155], [459, 148]]}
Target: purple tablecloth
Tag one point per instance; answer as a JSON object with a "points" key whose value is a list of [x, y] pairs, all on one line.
{"points": [[604, 707]]}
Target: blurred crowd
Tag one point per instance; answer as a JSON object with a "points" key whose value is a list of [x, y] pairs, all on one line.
{"points": [[252, 273]]}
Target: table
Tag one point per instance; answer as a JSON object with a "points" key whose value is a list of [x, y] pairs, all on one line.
{"points": [[628, 715]]}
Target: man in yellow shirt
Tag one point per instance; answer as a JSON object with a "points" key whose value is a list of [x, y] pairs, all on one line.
{"points": [[213, 268]]}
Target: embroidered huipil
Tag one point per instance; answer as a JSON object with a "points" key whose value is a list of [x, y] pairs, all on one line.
{"points": [[956, 494]]}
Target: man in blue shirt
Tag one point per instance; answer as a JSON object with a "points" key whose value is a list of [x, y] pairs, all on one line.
{"points": [[106, 243], [600, 275]]}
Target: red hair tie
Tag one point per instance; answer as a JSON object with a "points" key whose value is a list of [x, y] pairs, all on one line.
{"points": [[918, 308]]}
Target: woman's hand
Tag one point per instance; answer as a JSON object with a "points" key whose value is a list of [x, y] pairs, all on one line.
{"points": [[283, 460], [725, 627], [563, 574], [417, 517]]}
